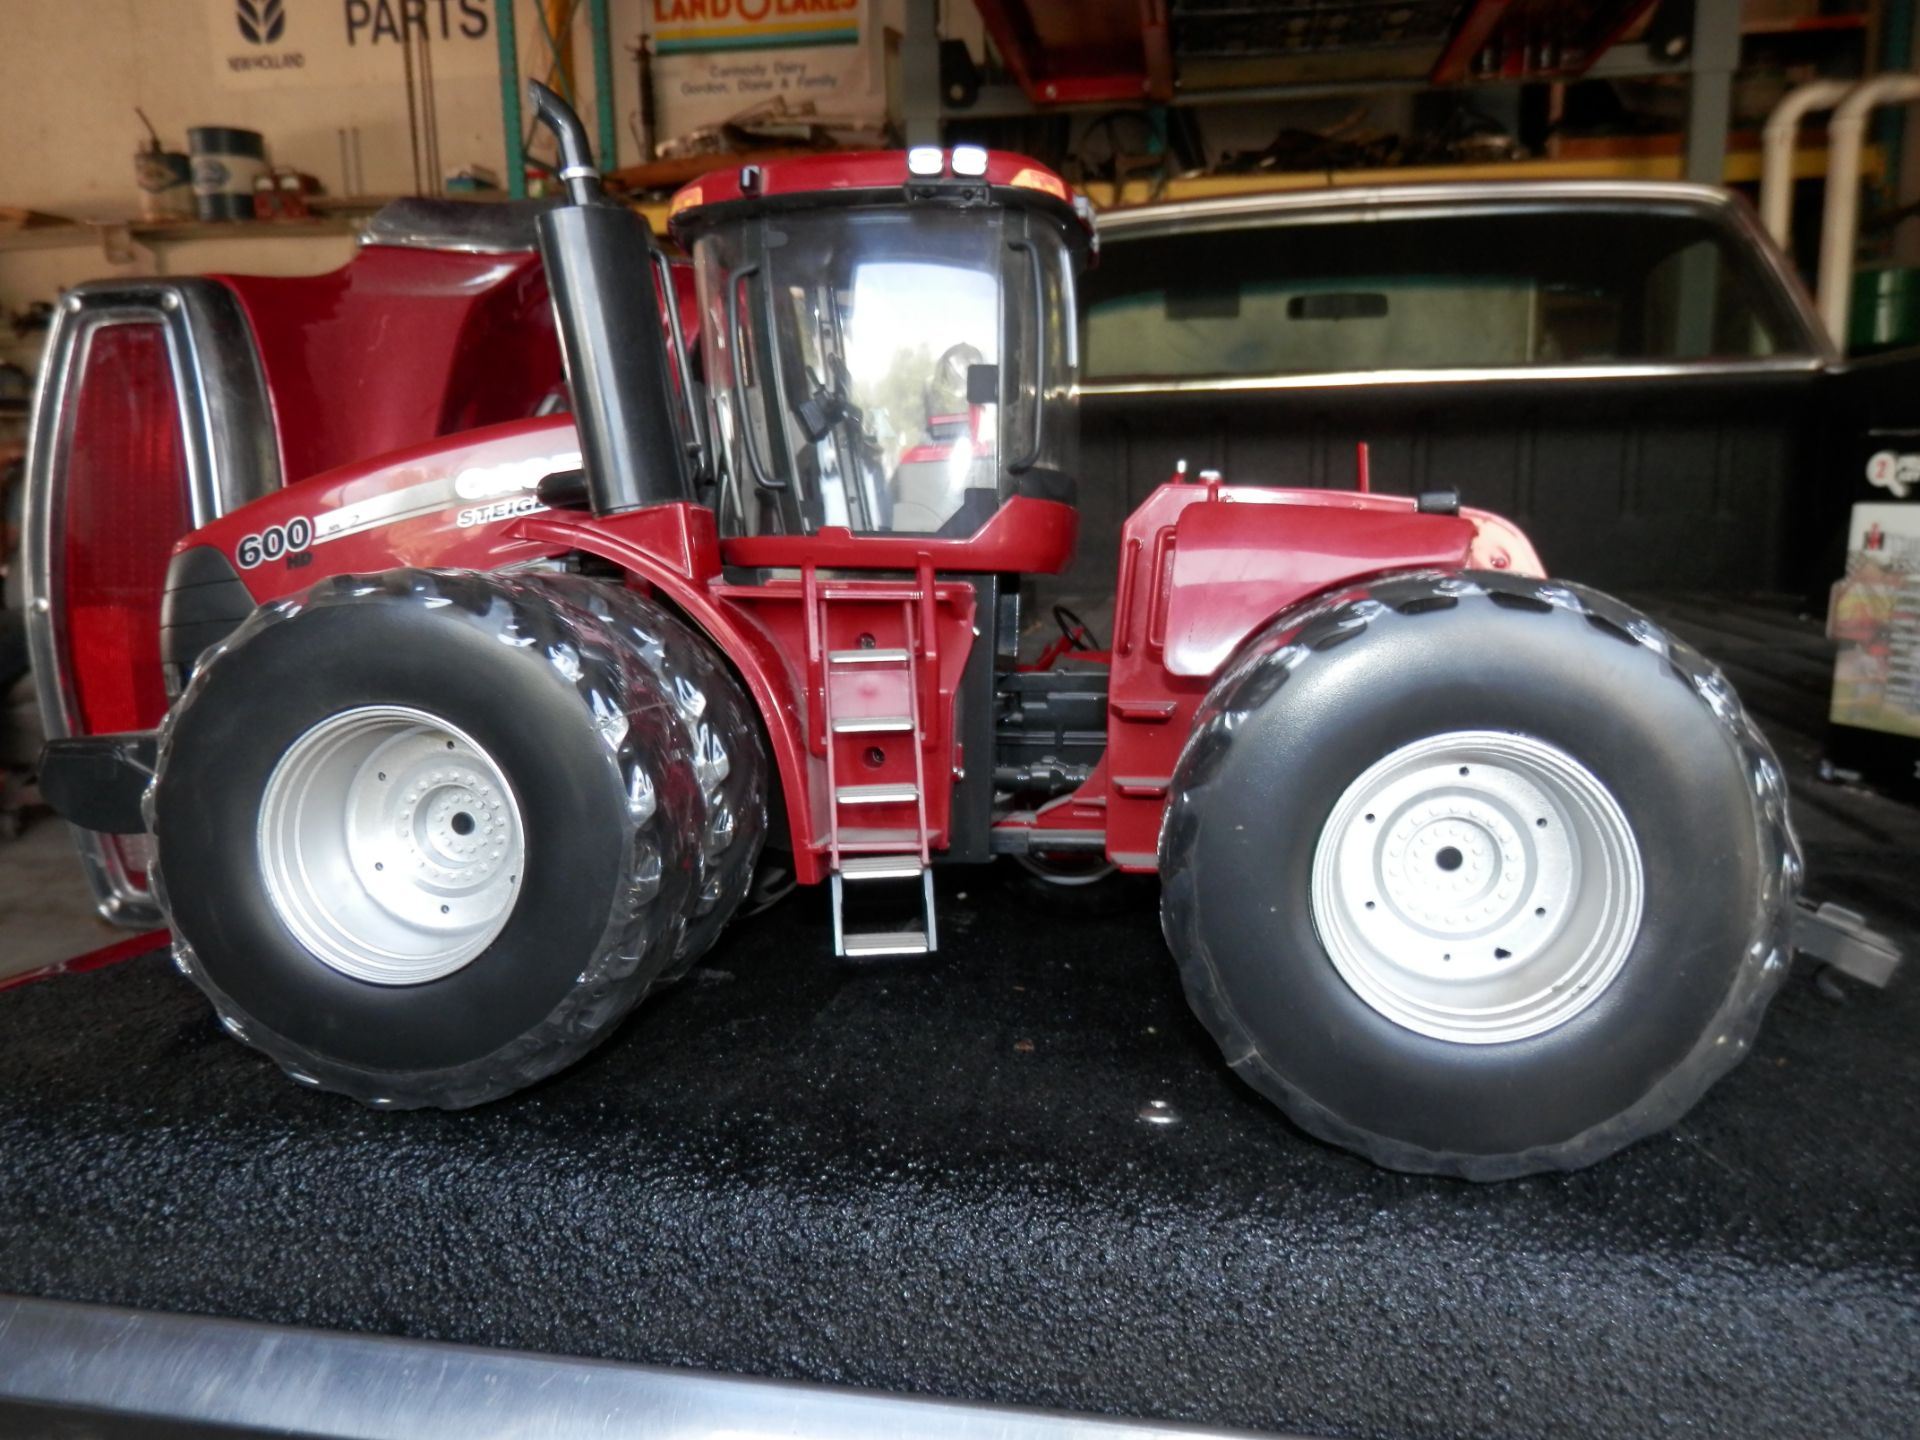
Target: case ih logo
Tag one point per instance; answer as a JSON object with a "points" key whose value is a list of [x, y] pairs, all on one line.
{"points": [[261, 22]]}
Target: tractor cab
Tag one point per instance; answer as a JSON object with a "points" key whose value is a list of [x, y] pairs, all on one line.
{"points": [[887, 342]]}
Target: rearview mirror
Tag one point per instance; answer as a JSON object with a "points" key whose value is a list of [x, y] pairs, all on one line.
{"points": [[1340, 305]]}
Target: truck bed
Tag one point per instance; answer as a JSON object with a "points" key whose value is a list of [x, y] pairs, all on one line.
{"points": [[931, 1177]]}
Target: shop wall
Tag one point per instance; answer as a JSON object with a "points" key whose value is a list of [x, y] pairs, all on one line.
{"points": [[72, 73]]}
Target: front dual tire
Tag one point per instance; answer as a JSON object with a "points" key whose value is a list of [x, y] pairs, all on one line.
{"points": [[425, 838], [1477, 875]]}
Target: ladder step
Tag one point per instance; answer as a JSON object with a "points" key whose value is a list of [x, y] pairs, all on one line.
{"points": [[897, 794], [887, 942], [879, 839], [878, 594], [871, 724], [881, 867], [867, 657]]}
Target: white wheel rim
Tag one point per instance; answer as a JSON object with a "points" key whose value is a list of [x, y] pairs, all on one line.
{"points": [[392, 845], [1477, 887]]}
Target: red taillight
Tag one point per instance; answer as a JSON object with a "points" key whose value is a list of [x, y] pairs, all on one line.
{"points": [[126, 504]]}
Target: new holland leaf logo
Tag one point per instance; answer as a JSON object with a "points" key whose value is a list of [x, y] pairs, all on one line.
{"points": [[261, 22]]}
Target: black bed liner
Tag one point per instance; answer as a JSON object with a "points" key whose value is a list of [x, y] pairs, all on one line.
{"points": [[933, 1178]]}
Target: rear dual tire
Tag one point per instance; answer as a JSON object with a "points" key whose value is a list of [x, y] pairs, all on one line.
{"points": [[1498, 876], [426, 838]]}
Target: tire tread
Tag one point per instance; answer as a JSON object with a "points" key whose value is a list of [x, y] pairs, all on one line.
{"points": [[644, 927]]}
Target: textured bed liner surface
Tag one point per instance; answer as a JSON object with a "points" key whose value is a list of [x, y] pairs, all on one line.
{"points": [[931, 1177]]}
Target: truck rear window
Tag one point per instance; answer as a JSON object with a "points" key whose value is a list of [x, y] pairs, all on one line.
{"points": [[1422, 290]]}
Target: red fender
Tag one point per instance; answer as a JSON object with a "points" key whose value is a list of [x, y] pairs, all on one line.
{"points": [[676, 550], [466, 502], [1203, 566]]}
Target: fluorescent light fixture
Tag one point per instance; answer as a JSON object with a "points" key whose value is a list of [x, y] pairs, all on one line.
{"points": [[969, 160], [926, 160]]}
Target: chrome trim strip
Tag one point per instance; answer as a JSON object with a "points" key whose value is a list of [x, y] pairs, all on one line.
{"points": [[231, 455], [230, 1376], [1440, 195], [1350, 379], [467, 227], [406, 503]]}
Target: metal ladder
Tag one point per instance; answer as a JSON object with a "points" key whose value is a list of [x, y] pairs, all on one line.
{"points": [[857, 853]]}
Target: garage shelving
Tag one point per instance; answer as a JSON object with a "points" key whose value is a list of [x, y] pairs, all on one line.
{"points": [[1203, 53]]}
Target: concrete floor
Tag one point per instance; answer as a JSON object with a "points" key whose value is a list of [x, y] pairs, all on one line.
{"points": [[46, 910]]}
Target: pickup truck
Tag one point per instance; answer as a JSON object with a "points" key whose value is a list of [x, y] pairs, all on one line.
{"points": [[1631, 371]]}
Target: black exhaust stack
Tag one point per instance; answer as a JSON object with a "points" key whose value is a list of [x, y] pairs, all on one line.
{"points": [[601, 269]]}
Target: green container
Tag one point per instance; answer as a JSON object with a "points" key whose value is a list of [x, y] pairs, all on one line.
{"points": [[1886, 308]]}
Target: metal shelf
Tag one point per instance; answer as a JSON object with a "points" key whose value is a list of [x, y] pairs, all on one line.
{"points": [[1056, 69], [344, 217], [333, 216], [170, 232]]}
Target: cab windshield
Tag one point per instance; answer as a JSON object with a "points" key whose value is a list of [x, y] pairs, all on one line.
{"points": [[865, 387]]}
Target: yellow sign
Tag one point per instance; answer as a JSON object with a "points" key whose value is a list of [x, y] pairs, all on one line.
{"points": [[683, 26]]}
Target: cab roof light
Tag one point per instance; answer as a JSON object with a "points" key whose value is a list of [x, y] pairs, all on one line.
{"points": [[1032, 178], [969, 160], [926, 160]]}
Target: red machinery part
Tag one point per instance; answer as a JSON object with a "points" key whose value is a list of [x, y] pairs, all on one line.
{"points": [[1511, 35], [126, 490], [1203, 566], [132, 948], [476, 331], [809, 178], [436, 502], [497, 610], [1083, 54], [468, 503], [126, 501], [1025, 536], [1224, 564], [1120, 52]]}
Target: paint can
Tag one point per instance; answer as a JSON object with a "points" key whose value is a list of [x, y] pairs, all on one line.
{"points": [[225, 162]]}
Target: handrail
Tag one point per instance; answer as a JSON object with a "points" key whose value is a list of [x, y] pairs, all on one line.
{"points": [[1840, 224], [1026, 460], [761, 475], [692, 402], [1777, 139]]}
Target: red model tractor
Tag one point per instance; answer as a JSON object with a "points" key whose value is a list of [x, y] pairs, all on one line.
{"points": [[473, 743]]}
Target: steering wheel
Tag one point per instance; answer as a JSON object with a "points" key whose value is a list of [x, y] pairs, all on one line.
{"points": [[1078, 633]]}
